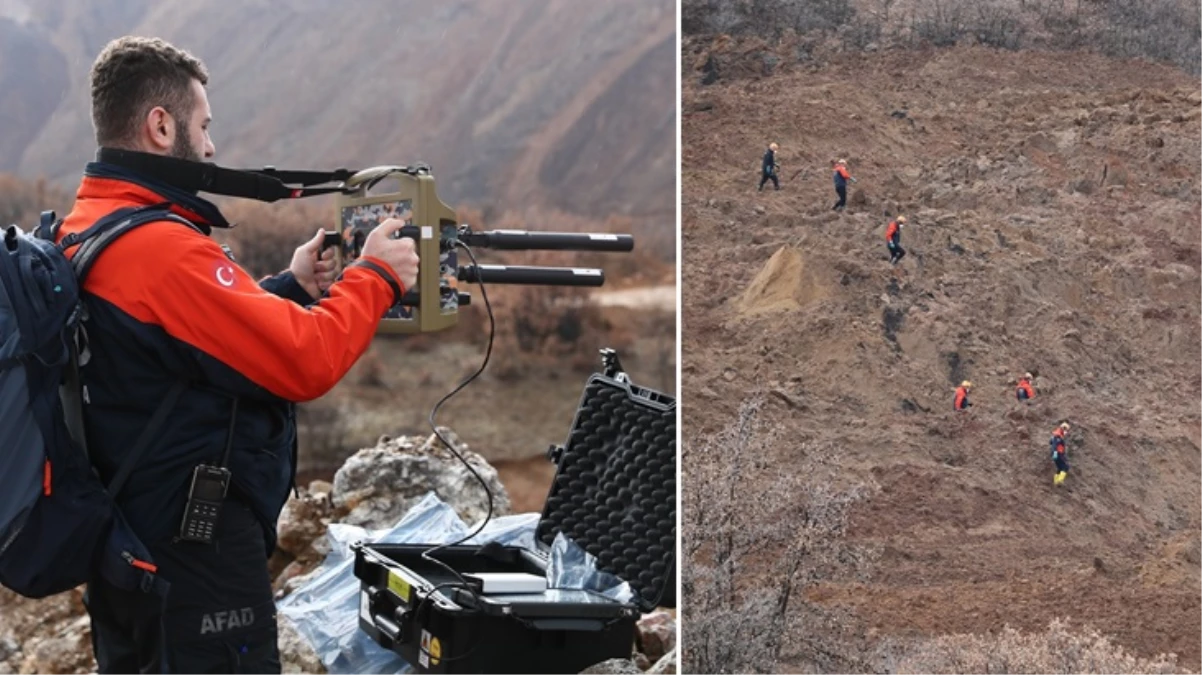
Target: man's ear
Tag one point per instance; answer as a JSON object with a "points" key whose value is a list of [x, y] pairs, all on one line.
{"points": [[160, 128]]}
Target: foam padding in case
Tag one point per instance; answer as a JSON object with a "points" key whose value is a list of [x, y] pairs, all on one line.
{"points": [[614, 492]]}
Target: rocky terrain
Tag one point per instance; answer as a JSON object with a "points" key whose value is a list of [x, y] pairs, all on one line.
{"points": [[1054, 206], [373, 489]]}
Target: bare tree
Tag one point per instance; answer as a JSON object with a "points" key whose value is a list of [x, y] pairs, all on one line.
{"points": [[757, 534]]}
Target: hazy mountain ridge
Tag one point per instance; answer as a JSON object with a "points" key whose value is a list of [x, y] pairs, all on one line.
{"points": [[551, 103]]}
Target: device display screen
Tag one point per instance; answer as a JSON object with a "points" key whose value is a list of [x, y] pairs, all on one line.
{"points": [[358, 221], [207, 489]]}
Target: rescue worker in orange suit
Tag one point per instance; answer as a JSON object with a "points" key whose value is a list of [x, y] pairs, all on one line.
{"points": [[166, 306], [1060, 452], [841, 178], [893, 240], [962, 402], [1025, 391]]}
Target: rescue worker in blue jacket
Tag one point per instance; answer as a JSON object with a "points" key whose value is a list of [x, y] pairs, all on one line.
{"points": [[893, 240], [1059, 452], [167, 305], [769, 167]]}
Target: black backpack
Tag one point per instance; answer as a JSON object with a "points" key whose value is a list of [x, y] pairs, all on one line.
{"points": [[59, 523]]}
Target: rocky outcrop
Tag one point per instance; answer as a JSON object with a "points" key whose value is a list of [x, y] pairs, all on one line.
{"points": [[376, 486]]}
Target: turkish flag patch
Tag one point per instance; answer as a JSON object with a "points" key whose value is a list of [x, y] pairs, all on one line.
{"points": [[223, 272]]}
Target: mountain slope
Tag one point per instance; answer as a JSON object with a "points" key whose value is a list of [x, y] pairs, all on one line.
{"points": [[472, 88], [1054, 227]]}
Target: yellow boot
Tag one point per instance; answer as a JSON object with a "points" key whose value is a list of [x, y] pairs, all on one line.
{"points": [[1059, 478]]}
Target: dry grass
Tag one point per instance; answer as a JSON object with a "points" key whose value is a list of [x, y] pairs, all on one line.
{"points": [[1056, 650]]}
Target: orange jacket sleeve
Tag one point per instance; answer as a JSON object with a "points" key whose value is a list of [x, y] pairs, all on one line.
{"points": [[201, 298]]}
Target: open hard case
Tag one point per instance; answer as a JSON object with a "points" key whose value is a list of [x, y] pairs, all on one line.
{"points": [[614, 495]]}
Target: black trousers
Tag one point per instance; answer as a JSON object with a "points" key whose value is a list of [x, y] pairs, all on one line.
{"points": [[896, 252], [841, 190], [769, 176], [1061, 462], [218, 617]]}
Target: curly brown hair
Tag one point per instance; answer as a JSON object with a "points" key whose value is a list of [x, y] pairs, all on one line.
{"points": [[131, 76]]}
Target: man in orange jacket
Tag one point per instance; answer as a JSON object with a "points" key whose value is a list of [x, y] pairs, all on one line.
{"points": [[1025, 391], [1060, 452], [841, 178], [166, 306], [893, 240], [962, 402]]}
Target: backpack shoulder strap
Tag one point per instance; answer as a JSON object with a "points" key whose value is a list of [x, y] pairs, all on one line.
{"points": [[96, 238], [149, 433], [92, 242]]}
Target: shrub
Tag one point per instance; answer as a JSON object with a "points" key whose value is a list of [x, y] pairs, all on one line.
{"points": [[736, 620]]}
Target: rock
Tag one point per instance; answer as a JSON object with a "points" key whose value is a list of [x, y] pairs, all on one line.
{"points": [[657, 630], [666, 665], [641, 661], [787, 399], [1081, 185], [378, 485], [296, 656], [769, 62], [709, 71], [303, 520], [69, 650], [291, 571], [614, 667], [320, 487], [759, 208], [8, 649]]}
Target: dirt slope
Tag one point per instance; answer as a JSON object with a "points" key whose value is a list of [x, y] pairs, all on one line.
{"points": [[1054, 209]]}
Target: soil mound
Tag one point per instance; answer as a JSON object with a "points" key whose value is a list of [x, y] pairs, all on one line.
{"points": [[777, 287]]}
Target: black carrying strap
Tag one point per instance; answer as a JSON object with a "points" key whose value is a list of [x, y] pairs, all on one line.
{"points": [[229, 438], [148, 434], [71, 394], [265, 185]]}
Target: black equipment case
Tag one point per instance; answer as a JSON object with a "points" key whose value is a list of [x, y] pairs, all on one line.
{"points": [[614, 495]]}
